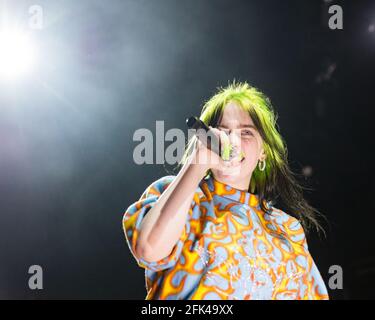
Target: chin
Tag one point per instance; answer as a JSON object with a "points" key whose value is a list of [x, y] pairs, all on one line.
{"points": [[232, 174], [229, 175]]}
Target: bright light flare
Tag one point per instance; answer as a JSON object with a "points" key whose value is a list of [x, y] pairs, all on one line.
{"points": [[17, 54]]}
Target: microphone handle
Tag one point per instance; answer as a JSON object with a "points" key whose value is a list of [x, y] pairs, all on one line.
{"points": [[206, 136]]}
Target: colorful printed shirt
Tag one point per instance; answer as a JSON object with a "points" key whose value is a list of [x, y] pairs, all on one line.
{"points": [[229, 249]]}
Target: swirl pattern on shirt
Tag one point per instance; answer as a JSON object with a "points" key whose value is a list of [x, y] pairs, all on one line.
{"points": [[229, 249]]}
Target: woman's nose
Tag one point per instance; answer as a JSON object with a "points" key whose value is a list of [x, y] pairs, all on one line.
{"points": [[235, 138]]}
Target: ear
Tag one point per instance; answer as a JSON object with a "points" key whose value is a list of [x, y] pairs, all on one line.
{"points": [[263, 155]]}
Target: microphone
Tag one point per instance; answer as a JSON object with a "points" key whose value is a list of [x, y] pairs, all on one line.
{"points": [[210, 139]]}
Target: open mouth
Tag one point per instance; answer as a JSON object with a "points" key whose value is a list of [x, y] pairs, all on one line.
{"points": [[238, 163], [231, 152], [234, 159]]}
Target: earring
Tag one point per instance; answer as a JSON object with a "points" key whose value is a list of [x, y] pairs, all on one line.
{"points": [[261, 168]]}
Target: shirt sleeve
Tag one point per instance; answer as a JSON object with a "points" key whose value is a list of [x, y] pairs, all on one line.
{"points": [[318, 289], [132, 220], [315, 288]]}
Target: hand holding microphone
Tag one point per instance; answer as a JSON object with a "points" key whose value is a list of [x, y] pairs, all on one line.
{"points": [[214, 147]]}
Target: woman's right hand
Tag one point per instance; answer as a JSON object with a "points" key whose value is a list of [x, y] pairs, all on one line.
{"points": [[208, 159]]}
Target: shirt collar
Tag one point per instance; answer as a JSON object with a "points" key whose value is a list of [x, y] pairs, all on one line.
{"points": [[227, 191]]}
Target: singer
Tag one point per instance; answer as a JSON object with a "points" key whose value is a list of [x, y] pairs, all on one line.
{"points": [[213, 231]]}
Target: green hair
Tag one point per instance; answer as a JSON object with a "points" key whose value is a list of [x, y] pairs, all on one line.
{"points": [[277, 179]]}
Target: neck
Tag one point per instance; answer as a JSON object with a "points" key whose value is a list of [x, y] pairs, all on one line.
{"points": [[242, 184]]}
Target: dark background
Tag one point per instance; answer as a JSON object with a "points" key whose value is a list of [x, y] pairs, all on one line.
{"points": [[108, 68]]}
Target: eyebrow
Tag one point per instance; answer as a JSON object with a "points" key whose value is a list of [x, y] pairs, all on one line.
{"points": [[241, 126]]}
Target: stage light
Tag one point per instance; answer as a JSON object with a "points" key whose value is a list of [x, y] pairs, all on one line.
{"points": [[17, 54], [307, 171]]}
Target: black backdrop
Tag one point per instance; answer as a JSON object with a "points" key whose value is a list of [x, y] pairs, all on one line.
{"points": [[108, 68]]}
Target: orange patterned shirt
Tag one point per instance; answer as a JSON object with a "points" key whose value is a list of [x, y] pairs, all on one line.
{"points": [[229, 249]]}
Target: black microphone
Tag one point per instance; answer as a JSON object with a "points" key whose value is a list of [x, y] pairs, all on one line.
{"points": [[209, 138]]}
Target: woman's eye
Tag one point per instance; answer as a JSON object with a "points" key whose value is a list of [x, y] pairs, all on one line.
{"points": [[247, 133]]}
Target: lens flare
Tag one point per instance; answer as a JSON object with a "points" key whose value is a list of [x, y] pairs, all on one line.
{"points": [[17, 54]]}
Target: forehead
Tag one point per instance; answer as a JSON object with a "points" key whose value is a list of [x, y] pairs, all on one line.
{"points": [[235, 116]]}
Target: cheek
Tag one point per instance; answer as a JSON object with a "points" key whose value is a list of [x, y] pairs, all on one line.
{"points": [[251, 153]]}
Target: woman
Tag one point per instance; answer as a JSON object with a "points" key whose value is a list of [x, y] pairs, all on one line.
{"points": [[212, 232]]}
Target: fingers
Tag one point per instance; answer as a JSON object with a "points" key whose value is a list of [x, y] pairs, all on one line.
{"points": [[225, 160], [225, 145], [215, 130]]}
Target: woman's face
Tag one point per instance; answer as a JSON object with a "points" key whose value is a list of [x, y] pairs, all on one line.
{"points": [[239, 126]]}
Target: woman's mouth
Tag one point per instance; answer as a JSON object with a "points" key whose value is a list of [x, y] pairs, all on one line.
{"points": [[237, 163], [236, 160]]}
